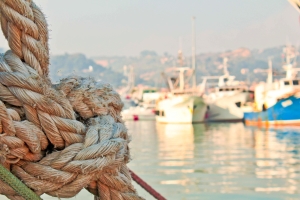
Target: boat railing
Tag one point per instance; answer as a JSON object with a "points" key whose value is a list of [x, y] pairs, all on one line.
{"points": [[224, 80], [190, 91]]}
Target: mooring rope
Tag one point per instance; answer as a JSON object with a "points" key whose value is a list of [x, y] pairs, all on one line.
{"points": [[146, 186], [56, 139], [17, 185]]}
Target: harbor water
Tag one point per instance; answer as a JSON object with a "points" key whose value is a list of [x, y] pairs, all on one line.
{"points": [[214, 161]]}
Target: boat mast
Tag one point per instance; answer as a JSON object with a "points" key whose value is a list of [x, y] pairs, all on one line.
{"points": [[194, 52], [288, 66], [225, 68], [129, 72], [270, 72]]}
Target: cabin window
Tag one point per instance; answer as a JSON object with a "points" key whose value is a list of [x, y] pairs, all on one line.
{"points": [[149, 91], [286, 83], [221, 89], [160, 113], [238, 104], [295, 82]]}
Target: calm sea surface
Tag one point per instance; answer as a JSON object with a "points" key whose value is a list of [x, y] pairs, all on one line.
{"points": [[215, 161]]}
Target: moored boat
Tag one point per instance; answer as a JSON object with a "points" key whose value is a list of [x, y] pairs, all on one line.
{"points": [[285, 112], [181, 109], [277, 103], [228, 108], [139, 102], [139, 112], [226, 98], [184, 104]]}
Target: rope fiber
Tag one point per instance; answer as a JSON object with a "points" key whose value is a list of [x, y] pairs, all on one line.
{"points": [[56, 139], [17, 185]]}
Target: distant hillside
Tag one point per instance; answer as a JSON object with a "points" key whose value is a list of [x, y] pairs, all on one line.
{"points": [[78, 64], [240, 60], [149, 65]]}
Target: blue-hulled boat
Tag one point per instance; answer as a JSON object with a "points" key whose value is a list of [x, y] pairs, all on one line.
{"points": [[285, 112], [278, 102]]}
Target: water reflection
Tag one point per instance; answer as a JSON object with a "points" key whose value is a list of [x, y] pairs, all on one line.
{"points": [[289, 135], [277, 160], [176, 142], [217, 161]]}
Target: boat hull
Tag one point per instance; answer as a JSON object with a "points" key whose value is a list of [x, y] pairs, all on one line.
{"points": [[226, 109], [181, 109], [137, 113], [138, 117], [284, 112], [223, 112]]}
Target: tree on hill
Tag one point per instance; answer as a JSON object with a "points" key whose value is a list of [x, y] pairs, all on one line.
{"points": [[147, 53]]}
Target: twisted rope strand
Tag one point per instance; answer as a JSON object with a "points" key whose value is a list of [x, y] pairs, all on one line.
{"points": [[56, 139], [17, 185]]}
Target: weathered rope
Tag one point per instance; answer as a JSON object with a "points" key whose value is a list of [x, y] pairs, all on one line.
{"points": [[17, 185], [56, 139]]}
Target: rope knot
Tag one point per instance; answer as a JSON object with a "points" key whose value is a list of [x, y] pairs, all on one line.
{"points": [[59, 138]]}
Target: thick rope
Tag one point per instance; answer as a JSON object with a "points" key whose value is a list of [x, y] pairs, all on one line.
{"points": [[25, 28], [17, 185], [56, 139]]}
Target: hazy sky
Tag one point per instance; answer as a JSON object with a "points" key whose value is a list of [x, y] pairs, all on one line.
{"points": [[126, 27]]}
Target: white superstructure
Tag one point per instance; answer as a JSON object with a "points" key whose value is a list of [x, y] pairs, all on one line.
{"points": [[267, 94], [184, 104], [225, 99]]}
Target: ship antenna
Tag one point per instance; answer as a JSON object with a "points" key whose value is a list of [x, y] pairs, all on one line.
{"points": [[194, 52]]}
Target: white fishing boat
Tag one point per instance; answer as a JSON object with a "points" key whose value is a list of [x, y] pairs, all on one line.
{"points": [[184, 104], [183, 108], [139, 103], [138, 112], [225, 98]]}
